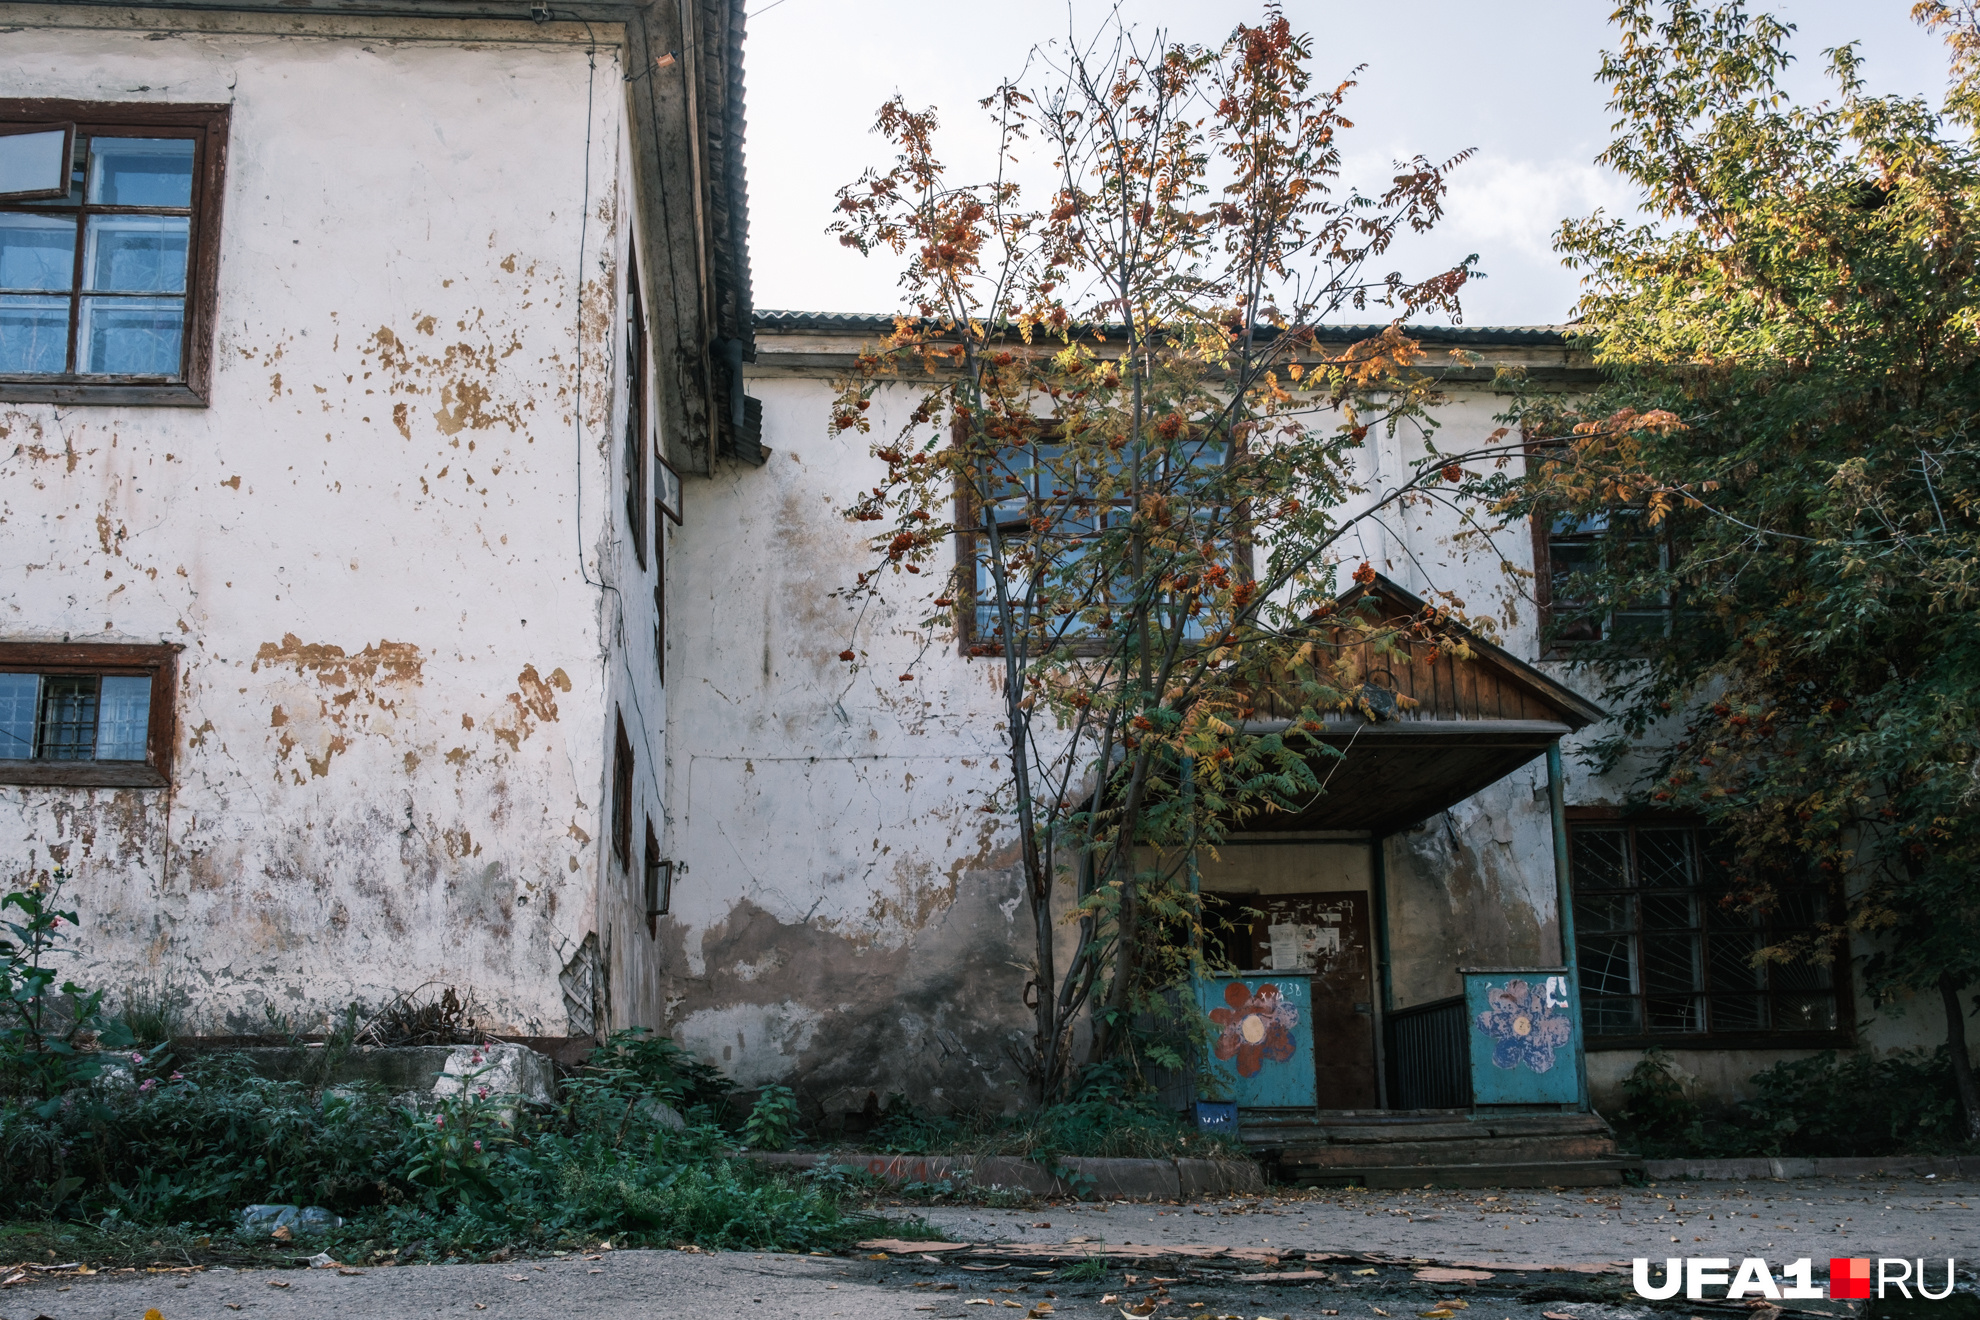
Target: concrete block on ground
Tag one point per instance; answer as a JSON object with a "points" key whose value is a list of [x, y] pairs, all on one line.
{"points": [[1128, 1180], [500, 1069]]}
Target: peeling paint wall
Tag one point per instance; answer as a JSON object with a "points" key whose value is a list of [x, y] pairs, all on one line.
{"points": [[398, 673], [849, 920]]}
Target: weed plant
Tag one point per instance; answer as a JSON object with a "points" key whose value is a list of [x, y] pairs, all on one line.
{"points": [[106, 1138]]}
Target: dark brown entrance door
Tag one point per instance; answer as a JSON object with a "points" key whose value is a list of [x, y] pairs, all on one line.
{"points": [[1326, 934]]}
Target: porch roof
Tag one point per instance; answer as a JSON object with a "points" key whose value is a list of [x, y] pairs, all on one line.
{"points": [[1467, 724]]}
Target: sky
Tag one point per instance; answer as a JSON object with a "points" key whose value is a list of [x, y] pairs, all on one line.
{"points": [[1514, 80]]}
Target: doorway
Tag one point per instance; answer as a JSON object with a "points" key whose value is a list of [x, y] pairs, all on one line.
{"points": [[1326, 934]]}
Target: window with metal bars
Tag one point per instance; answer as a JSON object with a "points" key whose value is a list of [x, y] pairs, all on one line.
{"points": [[85, 714], [1665, 955], [109, 227]]}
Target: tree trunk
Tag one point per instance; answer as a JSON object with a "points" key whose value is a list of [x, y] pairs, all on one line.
{"points": [[1962, 1063]]}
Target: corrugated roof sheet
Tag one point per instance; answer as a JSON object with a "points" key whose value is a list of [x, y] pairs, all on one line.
{"points": [[798, 322]]}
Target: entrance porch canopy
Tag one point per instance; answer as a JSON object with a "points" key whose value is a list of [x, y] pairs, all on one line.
{"points": [[1445, 727]]}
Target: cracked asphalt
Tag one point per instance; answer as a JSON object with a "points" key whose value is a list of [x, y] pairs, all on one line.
{"points": [[1780, 1221], [1815, 1217]]}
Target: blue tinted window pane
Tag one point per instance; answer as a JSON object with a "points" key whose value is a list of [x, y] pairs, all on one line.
{"points": [[123, 717], [34, 334], [33, 162], [135, 254], [37, 252], [141, 171], [68, 718], [20, 694], [132, 336]]}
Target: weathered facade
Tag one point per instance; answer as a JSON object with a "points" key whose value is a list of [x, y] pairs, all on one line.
{"points": [[384, 518], [848, 921], [450, 682]]}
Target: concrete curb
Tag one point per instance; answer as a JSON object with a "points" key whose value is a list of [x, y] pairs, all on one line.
{"points": [[1956, 1166], [1113, 1180]]}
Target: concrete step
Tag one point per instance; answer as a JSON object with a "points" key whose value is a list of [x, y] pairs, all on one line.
{"points": [[1551, 1173], [1483, 1149]]}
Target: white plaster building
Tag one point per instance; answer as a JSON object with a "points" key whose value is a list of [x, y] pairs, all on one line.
{"points": [[331, 441]]}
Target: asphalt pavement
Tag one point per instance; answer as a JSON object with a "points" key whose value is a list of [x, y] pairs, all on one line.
{"points": [[1780, 1221]]}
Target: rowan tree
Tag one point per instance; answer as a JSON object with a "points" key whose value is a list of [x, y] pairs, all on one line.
{"points": [[1132, 452]]}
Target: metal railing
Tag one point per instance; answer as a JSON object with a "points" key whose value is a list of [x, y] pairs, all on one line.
{"points": [[1428, 1063]]}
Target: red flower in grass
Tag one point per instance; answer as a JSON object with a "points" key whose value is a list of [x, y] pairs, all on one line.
{"points": [[1257, 1026]]}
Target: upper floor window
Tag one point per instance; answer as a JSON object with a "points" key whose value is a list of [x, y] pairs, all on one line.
{"points": [[1665, 958], [635, 447], [1574, 551], [1049, 509], [109, 237], [85, 714]]}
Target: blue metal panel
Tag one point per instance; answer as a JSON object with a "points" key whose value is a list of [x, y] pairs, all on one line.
{"points": [[1261, 1038], [1525, 1037]]}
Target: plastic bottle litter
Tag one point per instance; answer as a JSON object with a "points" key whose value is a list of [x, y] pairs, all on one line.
{"points": [[297, 1219]]}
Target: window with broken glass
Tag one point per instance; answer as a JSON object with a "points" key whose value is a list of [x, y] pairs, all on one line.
{"points": [[84, 714], [1047, 508], [109, 227], [1664, 954]]}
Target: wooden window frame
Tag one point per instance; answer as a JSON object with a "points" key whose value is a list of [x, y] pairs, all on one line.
{"points": [[622, 794], [158, 663], [1840, 1037], [1541, 526], [208, 126], [969, 642], [660, 603], [635, 445]]}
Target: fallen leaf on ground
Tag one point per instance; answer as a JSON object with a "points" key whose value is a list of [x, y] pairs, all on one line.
{"points": [[1378, 1310], [1364, 1271], [516, 1278], [278, 1283], [1559, 1315], [1110, 1299], [978, 1301], [878, 1255], [232, 1306], [153, 1313], [348, 1272], [1440, 1313]]}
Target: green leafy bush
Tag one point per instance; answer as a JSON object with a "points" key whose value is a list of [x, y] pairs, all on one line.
{"points": [[44, 1031], [773, 1121], [1829, 1104], [94, 1131]]}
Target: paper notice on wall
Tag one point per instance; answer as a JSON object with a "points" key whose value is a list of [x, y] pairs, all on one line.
{"points": [[1286, 948], [1326, 940]]}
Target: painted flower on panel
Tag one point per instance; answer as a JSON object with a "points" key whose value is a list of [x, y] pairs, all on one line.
{"points": [[1520, 1017], [1257, 1026]]}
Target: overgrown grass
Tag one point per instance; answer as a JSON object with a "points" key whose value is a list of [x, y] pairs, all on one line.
{"points": [[188, 1144], [1830, 1104]]}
